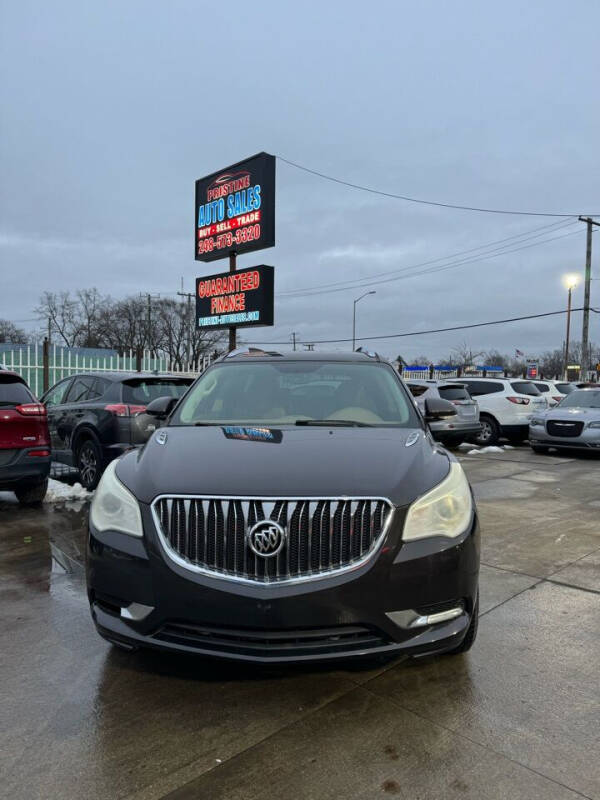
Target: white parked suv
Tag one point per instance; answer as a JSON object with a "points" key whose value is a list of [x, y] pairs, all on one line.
{"points": [[505, 407], [554, 391]]}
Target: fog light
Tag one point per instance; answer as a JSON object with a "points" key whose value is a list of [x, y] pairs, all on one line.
{"points": [[434, 619], [412, 619], [136, 611]]}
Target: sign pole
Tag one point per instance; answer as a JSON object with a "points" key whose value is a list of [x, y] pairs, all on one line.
{"points": [[232, 337]]}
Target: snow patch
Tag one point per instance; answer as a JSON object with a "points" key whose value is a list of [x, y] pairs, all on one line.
{"points": [[491, 449], [74, 496]]}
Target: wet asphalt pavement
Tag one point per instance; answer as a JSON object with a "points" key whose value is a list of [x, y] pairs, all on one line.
{"points": [[517, 717]]}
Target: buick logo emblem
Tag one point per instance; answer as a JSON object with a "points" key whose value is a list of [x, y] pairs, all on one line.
{"points": [[266, 538]]}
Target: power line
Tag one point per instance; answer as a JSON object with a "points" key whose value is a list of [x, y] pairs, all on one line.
{"points": [[367, 282], [438, 330], [426, 202], [528, 234]]}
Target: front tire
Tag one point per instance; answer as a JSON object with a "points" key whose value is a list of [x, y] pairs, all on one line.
{"points": [[89, 464], [489, 433], [32, 495]]}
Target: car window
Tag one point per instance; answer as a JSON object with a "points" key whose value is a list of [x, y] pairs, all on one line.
{"points": [[56, 395], [79, 389], [417, 389], [13, 391], [582, 398], [453, 393], [477, 388], [565, 388], [99, 387], [525, 387], [267, 394], [140, 391], [542, 387]]}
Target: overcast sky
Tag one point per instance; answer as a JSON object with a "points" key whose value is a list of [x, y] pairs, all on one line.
{"points": [[111, 110]]}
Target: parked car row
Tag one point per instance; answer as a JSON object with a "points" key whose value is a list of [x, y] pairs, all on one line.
{"points": [[84, 421], [493, 408], [87, 420]]}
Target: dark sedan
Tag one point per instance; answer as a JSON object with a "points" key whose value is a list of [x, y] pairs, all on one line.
{"points": [[270, 522], [96, 416]]}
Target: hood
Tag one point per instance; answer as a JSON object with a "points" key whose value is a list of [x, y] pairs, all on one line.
{"points": [[288, 462], [574, 413]]}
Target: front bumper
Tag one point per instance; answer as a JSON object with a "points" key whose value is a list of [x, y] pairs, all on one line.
{"points": [[455, 429], [589, 439], [23, 469], [140, 598]]}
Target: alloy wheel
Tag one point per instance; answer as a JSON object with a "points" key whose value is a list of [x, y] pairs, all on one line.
{"points": [[88, 464]]}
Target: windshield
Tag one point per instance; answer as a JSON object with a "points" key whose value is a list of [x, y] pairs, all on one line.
{"points": [[13, 392], [142, 391], [287, 393], [453, 393], [582, 398]]}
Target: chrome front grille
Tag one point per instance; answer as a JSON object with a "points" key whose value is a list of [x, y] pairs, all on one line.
{"points": [[322, 536]]}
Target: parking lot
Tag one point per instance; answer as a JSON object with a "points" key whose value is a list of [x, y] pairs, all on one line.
{"points": [[517, 717]]}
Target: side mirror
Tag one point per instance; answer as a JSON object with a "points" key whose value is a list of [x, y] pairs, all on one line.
{"points": [[161, 407], [436, 409]]}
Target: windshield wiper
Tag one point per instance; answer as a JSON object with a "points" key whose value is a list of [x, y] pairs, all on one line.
{"points": [[327, 423]]}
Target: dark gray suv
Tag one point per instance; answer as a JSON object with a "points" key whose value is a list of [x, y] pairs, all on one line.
{"points": [[291, 508], [453, 430]]}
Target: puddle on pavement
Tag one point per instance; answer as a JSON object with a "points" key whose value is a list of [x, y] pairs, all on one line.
{"points": [[503, 489]]}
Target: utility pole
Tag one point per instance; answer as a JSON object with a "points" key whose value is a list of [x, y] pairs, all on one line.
{"points": [[189, 296], [148, 317], [585, 354], [232, 338], [294, 334]]}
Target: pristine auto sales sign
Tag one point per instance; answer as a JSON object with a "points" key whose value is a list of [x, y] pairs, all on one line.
{"points": [[235, 299], [235, 209]]}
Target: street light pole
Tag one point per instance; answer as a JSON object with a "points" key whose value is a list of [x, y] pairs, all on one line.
{"points": [[568, 335], [354, 317], [570, 282]]}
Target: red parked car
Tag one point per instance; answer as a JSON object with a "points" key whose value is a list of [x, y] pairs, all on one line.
{"points": [[24, 441]]}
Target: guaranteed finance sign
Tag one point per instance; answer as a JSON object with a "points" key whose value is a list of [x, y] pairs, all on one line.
{"points": [[237, 299], [235, 209]]}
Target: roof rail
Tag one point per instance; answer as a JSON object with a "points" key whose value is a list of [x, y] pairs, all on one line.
{"points": [[251, 351], [369, 353]]}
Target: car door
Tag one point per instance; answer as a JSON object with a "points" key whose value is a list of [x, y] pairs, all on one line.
{"points": [[54, 402], [74, 410]]}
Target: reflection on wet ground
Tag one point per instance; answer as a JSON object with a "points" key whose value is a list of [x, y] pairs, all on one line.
{"points": [[517, 717]]}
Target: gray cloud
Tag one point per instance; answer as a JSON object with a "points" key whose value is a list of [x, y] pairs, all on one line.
{"points": [[110, 111]]}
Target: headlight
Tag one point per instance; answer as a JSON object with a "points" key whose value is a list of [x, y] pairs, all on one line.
{"points": [[594, 424], [114, 507], [444, 511], [536, 421]]}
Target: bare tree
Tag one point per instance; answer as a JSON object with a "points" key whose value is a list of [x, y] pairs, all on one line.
{"points": [[59, 310], [9, 332], [464, 355], [552, 363], [420, 361]]}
